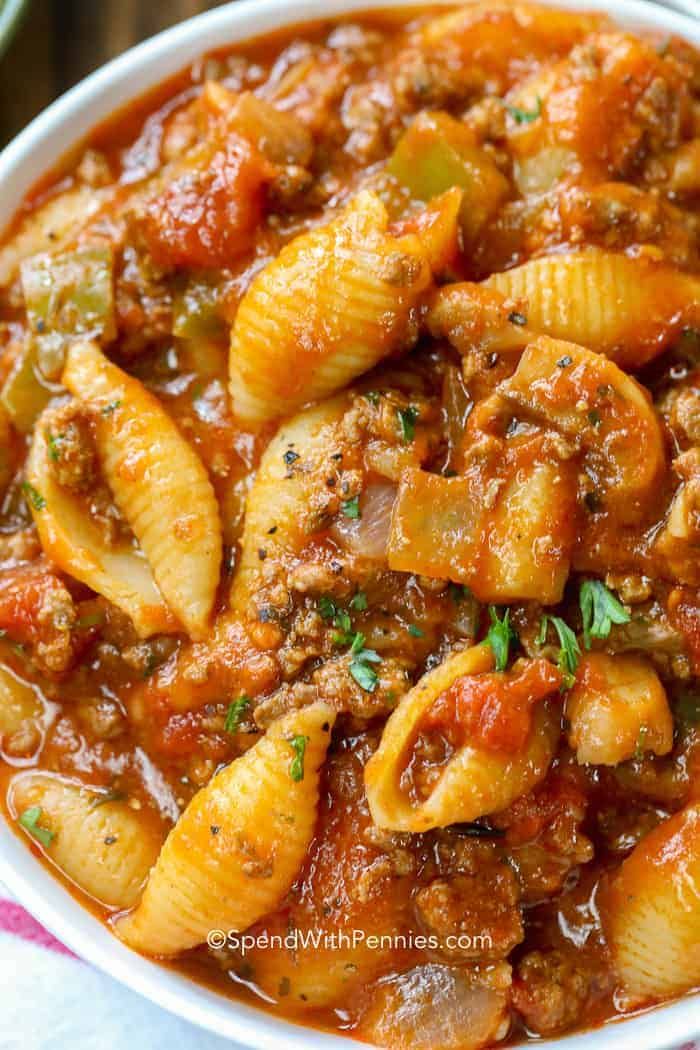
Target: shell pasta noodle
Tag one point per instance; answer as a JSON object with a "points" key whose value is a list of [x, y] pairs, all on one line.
{"points": [[69, 538], [350, 521], [158, 483], [104, 847], [334, 303], [596, 299], [476, 781], [264, 816]]}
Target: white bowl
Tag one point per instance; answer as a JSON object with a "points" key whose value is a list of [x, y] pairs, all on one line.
{"points": [[39, 147]]}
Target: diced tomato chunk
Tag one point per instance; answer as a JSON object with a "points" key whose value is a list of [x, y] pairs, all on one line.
{"points": [[207, 216], [493, 710]]}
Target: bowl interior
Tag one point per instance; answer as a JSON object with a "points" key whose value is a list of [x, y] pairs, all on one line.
{"points": [[23, 162]]}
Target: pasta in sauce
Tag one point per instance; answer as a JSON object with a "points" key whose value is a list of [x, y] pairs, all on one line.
{"points": [[350, 526]]}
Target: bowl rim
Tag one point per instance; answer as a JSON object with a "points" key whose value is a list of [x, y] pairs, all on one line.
{"points": [[40, 147]]}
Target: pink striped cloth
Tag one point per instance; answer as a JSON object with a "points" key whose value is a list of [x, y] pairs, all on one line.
{"points": [[51, 1000]]}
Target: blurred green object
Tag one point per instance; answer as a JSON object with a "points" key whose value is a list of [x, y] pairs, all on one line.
{"points": [[11, 12]]}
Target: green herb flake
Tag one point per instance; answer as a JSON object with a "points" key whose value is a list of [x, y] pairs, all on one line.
{"points": [[360, 669], [542, 633], [351, 507], [359, 602], [358, 643], [499, 637], [414, 631], [594, 417], [569, 651], [54, 446], [112, 407], [296, 768], [407, 422], [641, 741], [326, 607], [33, 497], [236, 710], [600, 609], [30, 822], [525, 116], [365, 676], [373, 397]]}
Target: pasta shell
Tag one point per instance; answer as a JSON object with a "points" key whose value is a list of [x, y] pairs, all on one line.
{"points": [[158, 482], [616, 708], [18, 702], [73, 543], [278, 499], [606, 412], [102, 845], [651, 913], [332, 304], [475, 781], [238, 846], [629, 309]]}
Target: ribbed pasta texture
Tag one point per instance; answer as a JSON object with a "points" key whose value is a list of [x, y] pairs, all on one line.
{"points": [[652, 911], [475, 781], [332, 304], [71, 541], [158, 482], [104, 847], [240, 843], [627, 308], [279, 497]]}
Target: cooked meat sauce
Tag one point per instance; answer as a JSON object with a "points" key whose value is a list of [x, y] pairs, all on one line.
{"points": [[350, 525]]}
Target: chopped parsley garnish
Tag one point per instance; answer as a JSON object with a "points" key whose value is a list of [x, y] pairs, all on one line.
{"points": [[112, 407], [569, 651], [326, 607], [236, 710], [54, 446], [329, 610], [351, 507], [33, 496], [358, 643], [30, 822], [365, 676], [600, 609], [414, 631], [594, 417], [91, 620], [360, 669], [526, 116], [359, 602], [407, 422], [565, 361], [499, 637], [296, 768]]}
